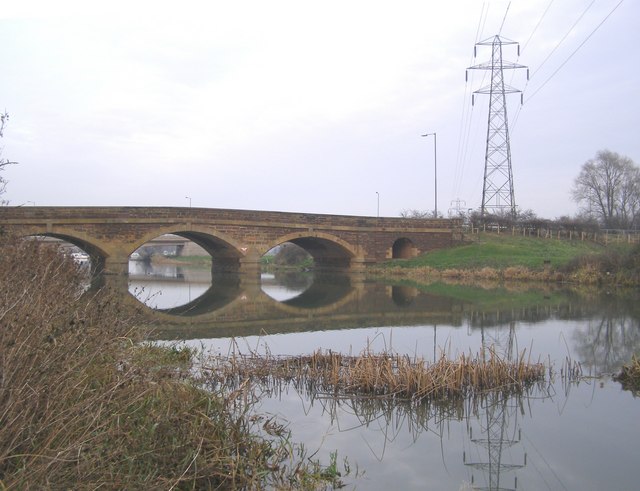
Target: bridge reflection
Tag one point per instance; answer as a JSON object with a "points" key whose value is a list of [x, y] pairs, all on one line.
{"points": [[237, 305], [240, 305]]}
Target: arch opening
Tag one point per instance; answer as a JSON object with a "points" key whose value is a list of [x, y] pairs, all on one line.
{"points": [[172, 271], [403, 248], [225, 256], [328, 253], [286, 256], [300, 269], [89, 258]]}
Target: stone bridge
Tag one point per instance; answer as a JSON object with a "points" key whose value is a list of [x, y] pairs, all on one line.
{"points": [[236, 239]]}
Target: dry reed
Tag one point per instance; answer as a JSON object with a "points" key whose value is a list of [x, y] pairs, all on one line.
{"points": [[629, 376], [380, 375]]}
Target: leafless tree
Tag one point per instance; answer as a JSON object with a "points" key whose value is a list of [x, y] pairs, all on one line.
{"points": [[608, 189], [419, 214], [4, 120]]}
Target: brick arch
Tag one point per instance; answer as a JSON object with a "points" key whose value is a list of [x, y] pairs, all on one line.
{"points": [[226, 252], [348, 248], [92, 246], [403, 248], [88, 244], [214, 242], [328, 251]]}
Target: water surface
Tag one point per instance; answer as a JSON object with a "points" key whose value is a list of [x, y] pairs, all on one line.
{"points": [[561, 436]]}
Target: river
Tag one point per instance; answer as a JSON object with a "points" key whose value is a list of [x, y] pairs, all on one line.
{"points": [[565, 435]]}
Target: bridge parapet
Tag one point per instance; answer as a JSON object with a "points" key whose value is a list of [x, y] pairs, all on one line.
{"points": [[236, 239]]}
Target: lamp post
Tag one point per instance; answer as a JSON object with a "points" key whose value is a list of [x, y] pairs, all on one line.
{"points": [[378, 195], [189, 198], [435, 172]]}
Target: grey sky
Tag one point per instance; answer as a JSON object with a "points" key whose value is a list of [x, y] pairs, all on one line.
{"points": [[301, 106]]}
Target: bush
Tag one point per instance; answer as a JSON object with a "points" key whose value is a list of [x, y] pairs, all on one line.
{"points": [[614, 265]]}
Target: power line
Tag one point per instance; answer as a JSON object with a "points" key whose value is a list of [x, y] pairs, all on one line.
{"points": [[466, 115], [504, 18], [563, 38], [576, 50], [537, 25], [519, 108], [484, 22]]}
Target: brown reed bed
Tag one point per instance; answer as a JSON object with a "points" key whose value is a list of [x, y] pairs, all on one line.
{"points": [[471, 275], [381, 375]]}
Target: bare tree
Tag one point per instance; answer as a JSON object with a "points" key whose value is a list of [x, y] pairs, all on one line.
{"points": [[608, 189], [4, 120], [419, 214]]}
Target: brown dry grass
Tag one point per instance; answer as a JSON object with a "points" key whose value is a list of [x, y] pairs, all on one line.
{"points": [[629, 376], [382, 375], [512, 273], [83, 405]]}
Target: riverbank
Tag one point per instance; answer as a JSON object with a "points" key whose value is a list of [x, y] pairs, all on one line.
{"points": [[489, 256], [498, 257]]}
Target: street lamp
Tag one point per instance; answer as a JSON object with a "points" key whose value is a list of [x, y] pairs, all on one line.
{"points": [[435, 171], [189, 198], [378, 194]]}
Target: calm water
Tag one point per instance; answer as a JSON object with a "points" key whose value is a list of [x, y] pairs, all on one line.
{"points": [[577, 436]]}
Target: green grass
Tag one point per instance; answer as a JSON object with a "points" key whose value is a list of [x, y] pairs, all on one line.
{"points": [[503, 251]]}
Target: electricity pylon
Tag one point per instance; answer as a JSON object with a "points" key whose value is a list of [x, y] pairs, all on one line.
{"points": [[497, 189]]}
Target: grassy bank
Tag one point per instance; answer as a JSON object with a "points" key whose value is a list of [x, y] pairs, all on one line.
{"points": [[505, 257], [84, 404]]}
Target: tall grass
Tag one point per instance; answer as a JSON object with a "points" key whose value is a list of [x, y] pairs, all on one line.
{"points": [[85, 405]]}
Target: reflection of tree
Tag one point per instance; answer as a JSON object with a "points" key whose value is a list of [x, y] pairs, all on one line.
{"points": [[608, 342], [403, 295], [294, 280]]}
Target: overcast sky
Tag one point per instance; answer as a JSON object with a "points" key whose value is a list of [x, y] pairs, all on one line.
{"points": [[307, 106]]}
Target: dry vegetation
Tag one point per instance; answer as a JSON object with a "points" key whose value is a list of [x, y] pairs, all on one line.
{"points": [[84, 405], [382, 375], [511, 273], [629, 377]]}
